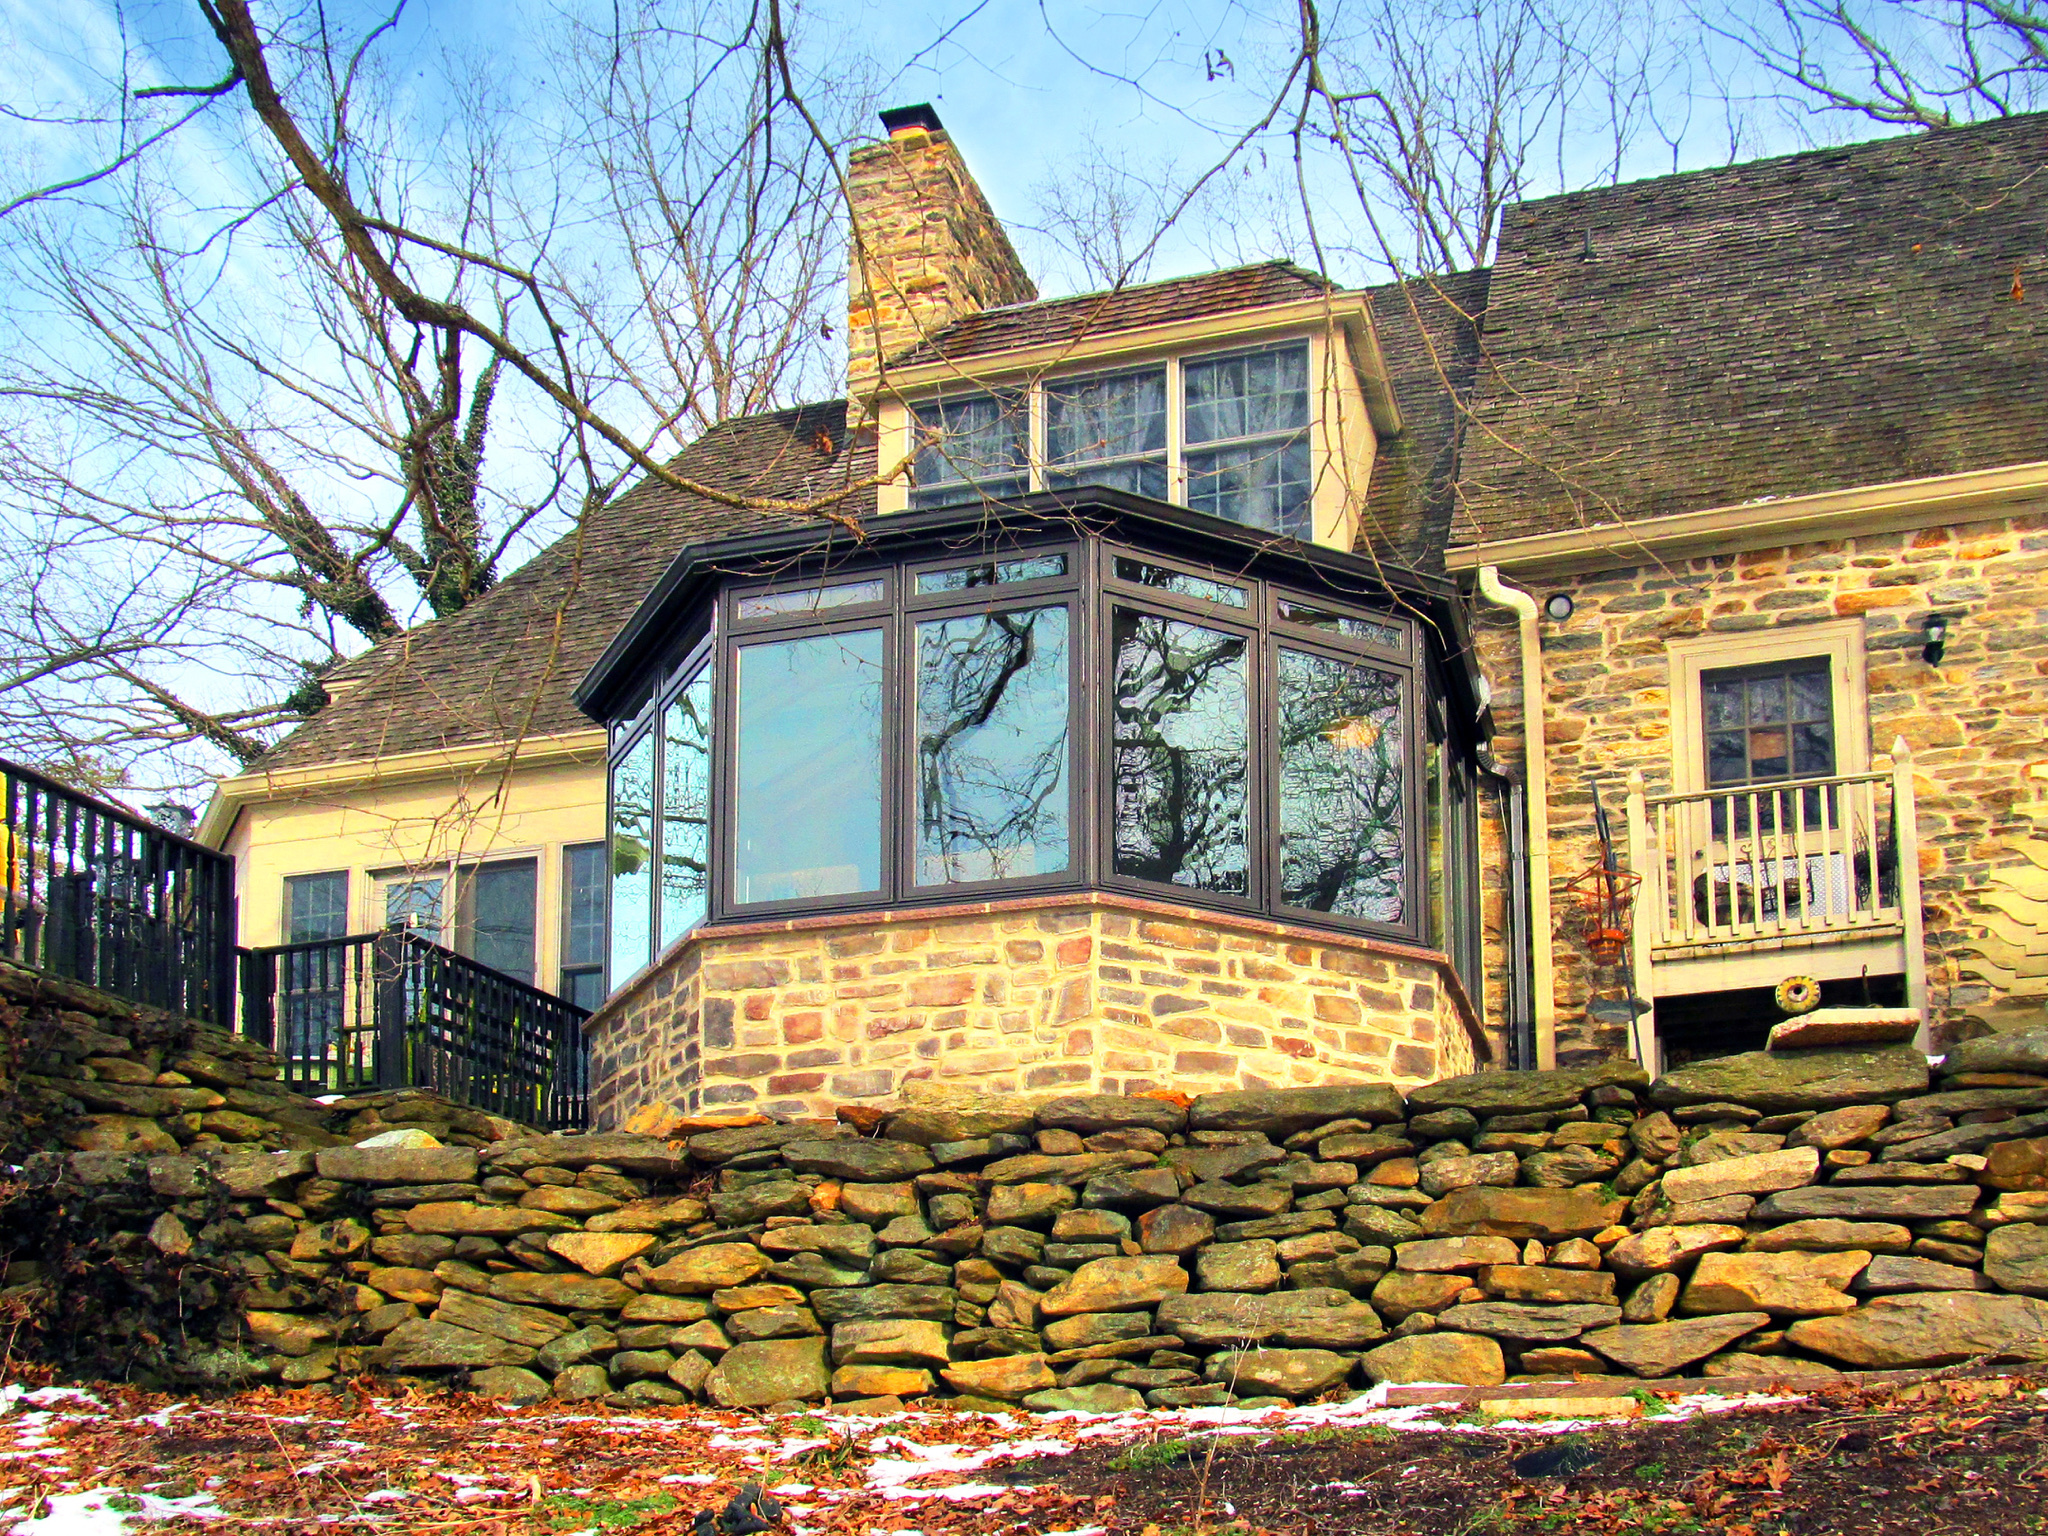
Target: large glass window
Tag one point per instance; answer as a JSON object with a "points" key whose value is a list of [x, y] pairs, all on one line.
{"points": [[1343, 823], [992, 745], [583, 881], [807, 803], [313, 982], [632, 849], [495, 921], [685, 808], [1108, 431], [1062, 714], [1247, 436], [1181, 741], [978, 444]]}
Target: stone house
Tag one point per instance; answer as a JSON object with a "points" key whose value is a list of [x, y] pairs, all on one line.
{"points": [[1165, 723]]}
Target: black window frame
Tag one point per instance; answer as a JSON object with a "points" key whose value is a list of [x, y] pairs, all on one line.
{"points": [[569, 970], [1091, 590]]}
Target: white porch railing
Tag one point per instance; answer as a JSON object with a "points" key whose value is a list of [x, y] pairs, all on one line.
{"points": [[1822, 860]]}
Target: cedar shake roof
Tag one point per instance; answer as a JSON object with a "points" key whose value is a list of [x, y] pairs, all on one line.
{"points": [[1429, 333], [1837, 318], [501, 668], [1052, 321]]}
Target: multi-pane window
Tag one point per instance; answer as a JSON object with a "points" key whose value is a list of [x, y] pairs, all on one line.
{"points": [[1769, 722], [496, 915], [1247, 439], [973, 445], [1226, 435], [947, 723], [1108, 431], [583, 883], [315, 907]]}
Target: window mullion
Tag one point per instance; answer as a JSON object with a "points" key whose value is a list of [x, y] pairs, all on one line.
{"points": [[1035, 426], [1176, 436]]}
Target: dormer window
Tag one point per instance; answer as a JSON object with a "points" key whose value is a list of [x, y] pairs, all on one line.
{"points": [[1225, 433]]}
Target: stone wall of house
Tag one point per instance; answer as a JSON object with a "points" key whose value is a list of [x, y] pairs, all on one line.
{"points": [[1087, 994], [1977, 725], [1781, 1215]]}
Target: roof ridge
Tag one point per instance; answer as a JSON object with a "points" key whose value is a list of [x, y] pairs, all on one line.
{"points": [[1287, 262], [1907, 143]]}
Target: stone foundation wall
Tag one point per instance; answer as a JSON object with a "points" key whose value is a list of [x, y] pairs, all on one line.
{"points": [[1976, 723], [1781, 1215], [1086, 994]]}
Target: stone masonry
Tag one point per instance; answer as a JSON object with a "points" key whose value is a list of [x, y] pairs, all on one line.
{"points": [[1087, 993], [1977, 725], [928, 250]]}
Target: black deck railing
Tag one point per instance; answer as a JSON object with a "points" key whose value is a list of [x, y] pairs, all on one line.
{"points": [[91, 892], [390, 1010]]}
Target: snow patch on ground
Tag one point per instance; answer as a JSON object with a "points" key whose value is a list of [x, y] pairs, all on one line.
{"points": [[107, 1511]]}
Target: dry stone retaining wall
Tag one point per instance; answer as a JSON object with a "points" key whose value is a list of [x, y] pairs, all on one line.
{"points": [[1794, 1214]]}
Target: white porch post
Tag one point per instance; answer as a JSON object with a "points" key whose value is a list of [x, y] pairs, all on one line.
{"points": [[1906, 818]]}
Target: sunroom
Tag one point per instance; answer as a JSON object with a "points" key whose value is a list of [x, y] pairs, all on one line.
{"points": [[1077, 789]]}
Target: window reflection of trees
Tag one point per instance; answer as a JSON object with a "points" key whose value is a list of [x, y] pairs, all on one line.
{"points": [[1180, 739], [992, 746], [686, 808], [1341, 804]]}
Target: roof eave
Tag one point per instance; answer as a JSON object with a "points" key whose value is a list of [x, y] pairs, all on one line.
{"points": [[698, 565]]}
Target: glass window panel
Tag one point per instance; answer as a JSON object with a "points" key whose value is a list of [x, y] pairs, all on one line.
{"points": [[980, 440], [632, 860], [583, 881], [1768, 753], [1727, 761], [992, 573], [1342, 624], [1812, 698], [316, 907], [1261, 485], [1167, 579], [498, 911], [1342, 837], [768, 605], [686, 808], [992, 746], [1247, 395], [1723, 702], [808, 798], [1813, 751], [1120, 416], [414, 903], [1181, 752], [1766, 700], [1140, 477], [583, 905]]}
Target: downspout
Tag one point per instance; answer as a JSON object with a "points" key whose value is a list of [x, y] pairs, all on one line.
{"points": [[1536, 778]]}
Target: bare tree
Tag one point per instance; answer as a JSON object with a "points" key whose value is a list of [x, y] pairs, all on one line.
{"points": [[302, 424], [1914, 63], [1458, 110]]}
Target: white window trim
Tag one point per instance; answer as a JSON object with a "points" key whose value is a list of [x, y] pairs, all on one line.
{"points": [[1838, 641], [1323, 402]]}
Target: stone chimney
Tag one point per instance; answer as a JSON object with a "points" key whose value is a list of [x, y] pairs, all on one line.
{"points": [[927, 250]]}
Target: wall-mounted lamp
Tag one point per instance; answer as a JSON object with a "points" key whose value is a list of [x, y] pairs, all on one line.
{"points": [[1934, 630], [1559, 606]]}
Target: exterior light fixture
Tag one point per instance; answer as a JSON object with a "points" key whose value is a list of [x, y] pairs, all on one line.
{"points": [[1934, 630], [1559, 606]]}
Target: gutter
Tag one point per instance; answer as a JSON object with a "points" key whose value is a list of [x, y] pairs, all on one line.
{"points": [[1536, 801]]}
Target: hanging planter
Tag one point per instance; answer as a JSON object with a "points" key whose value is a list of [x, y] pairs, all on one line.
{"points": [[1605, 899]]}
